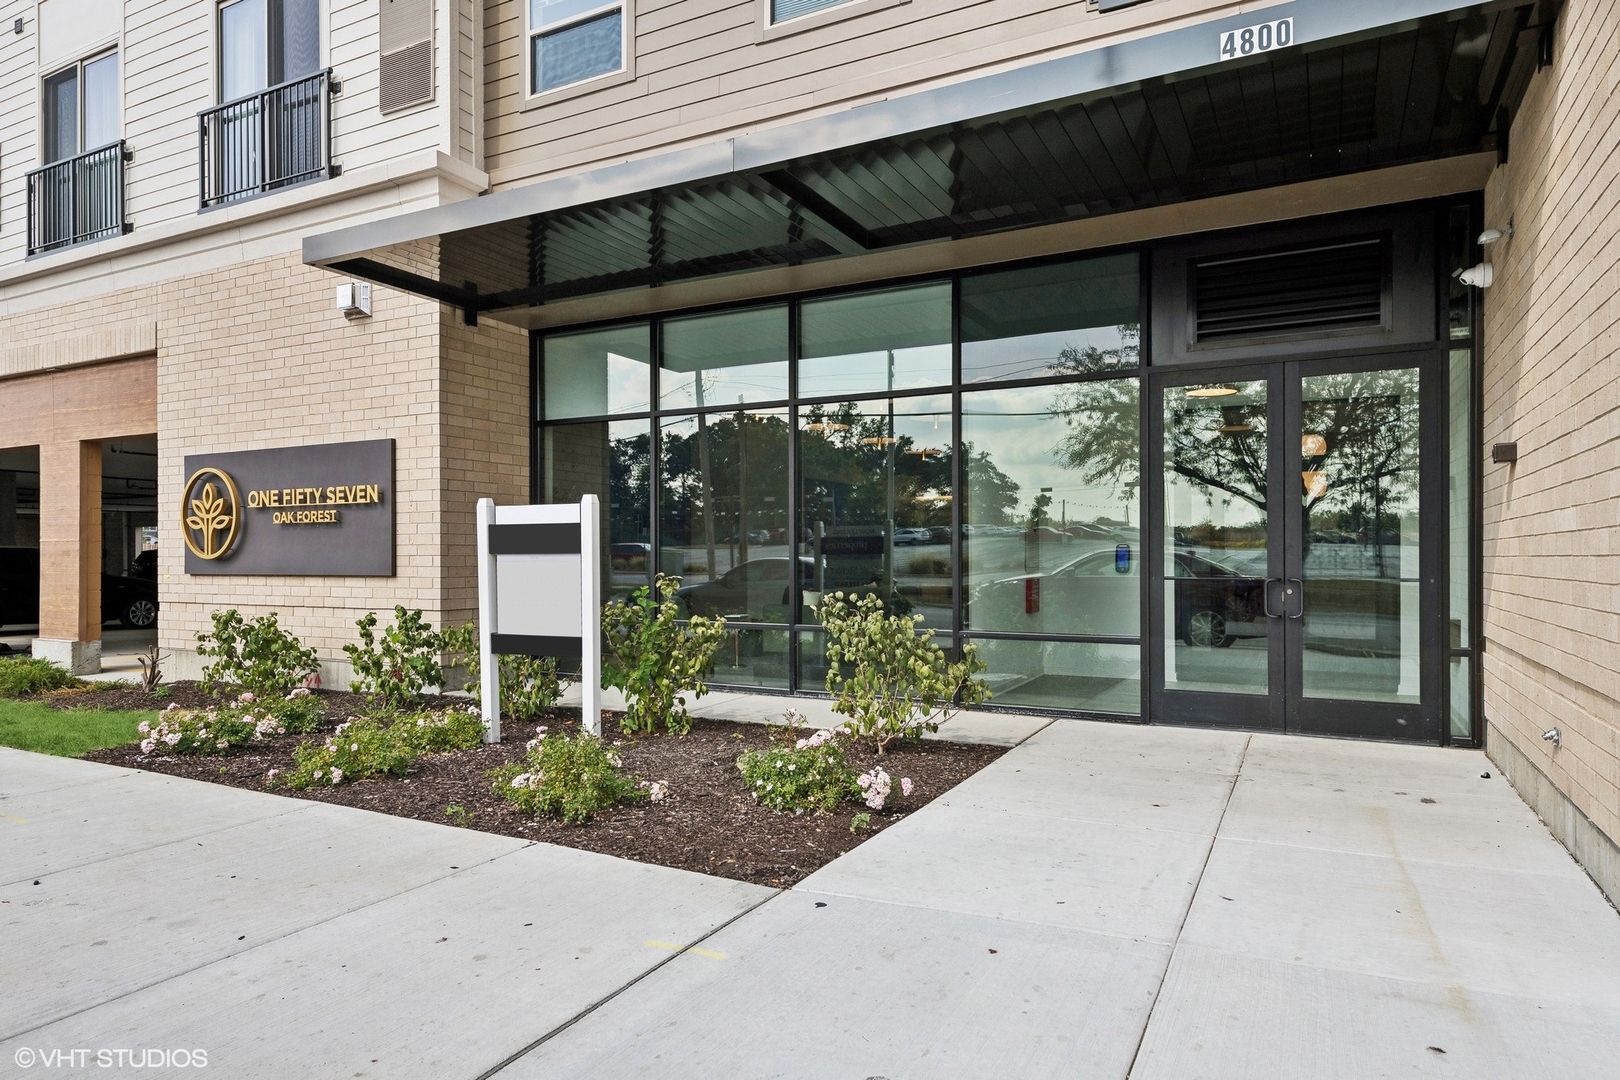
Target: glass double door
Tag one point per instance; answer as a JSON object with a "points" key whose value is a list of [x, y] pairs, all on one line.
{"points": [[1294, 547]]}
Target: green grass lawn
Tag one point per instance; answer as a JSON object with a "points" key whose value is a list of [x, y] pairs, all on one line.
{"points": [[30, 725]]}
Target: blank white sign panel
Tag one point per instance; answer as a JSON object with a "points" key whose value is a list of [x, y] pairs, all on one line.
{"points": [[537, 595]]}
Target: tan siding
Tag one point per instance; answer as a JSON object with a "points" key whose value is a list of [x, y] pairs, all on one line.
{"points": [[168, 78], [18, 149], [1552, 384], [701, 71]]}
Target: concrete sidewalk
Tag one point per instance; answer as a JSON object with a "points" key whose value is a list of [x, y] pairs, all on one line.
{"points": [[1103, 901]]}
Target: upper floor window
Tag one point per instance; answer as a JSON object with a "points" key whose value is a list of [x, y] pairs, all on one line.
{"points": [[81, 108], [265, 43], [571, 41], [783, 10]]}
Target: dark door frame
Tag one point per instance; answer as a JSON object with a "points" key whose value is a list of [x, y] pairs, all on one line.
{"points": [[1284, 707]]}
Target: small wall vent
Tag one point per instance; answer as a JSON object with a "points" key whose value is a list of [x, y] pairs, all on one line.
{"points": [[406, 77], [405, 61], [1312, 290]]}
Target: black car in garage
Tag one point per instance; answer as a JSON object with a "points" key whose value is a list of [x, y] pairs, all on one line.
{"points": [[132, 600]]}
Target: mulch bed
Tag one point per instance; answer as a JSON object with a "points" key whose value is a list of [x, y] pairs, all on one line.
{"points": [[708, 822]]}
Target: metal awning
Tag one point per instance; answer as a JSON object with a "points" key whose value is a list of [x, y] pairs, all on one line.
{"points": [[1162, 119]]}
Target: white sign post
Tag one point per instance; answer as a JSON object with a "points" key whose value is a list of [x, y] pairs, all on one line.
{"points": [[540, 594]]}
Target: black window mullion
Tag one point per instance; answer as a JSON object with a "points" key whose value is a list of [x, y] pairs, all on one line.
{"points": [[796, 591]]}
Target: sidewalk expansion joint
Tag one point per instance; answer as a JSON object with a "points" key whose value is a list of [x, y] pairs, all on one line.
{"points": [[1198, 884], [691, 946]]}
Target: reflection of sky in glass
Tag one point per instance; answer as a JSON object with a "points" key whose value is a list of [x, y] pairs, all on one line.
{"points": [[888, 339], [1017, 429], [725, 359], [598, 372], [870, 372], [1036, 355]]}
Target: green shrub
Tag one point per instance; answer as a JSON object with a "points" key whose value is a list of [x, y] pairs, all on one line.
{"points": [[570, 777], [529, 684], [23, 676], [435, 731], [807, 774], [299, 711], [892, 682], [357, 750], [655, 659], [247, 719], [382, 744], [393, 668], [255, 654]]}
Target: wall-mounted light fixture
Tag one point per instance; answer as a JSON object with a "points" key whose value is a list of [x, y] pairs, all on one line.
{"points": [[1504, 453], [354, 299]]}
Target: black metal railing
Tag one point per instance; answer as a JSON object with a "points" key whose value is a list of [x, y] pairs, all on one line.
{"points": [[77, 199], [270, 140]]}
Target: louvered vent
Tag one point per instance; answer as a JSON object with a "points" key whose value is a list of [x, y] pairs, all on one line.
{"points": [[406, 77], [1305, 290], [405, 40]]}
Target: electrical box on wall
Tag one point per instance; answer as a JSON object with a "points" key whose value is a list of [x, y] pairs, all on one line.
{"points": [[354, 299]]}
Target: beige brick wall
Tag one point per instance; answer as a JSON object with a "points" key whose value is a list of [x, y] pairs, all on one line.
{"points": [[258, 356], [484, 401], [1552, 384]]}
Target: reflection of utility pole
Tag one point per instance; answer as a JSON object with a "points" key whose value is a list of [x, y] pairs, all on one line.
{"points": [[742, 485], [888, 540], [707, 489]]}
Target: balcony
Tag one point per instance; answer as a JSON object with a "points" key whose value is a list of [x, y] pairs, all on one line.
{"points": [[77, 199], [267, 141]]}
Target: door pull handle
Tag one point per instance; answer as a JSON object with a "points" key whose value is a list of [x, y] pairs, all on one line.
{"points": [[1300, 603], [1265, 597]]}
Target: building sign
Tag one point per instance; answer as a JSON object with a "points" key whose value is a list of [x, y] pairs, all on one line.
{"points": [[320, 511], [540, 594]]}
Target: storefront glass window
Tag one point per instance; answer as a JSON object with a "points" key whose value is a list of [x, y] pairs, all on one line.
{"points": [[874, 342], [727, 358], [722, 505], [598, 372], [1051, 531], [875, 502], [1091, 676], [612, 458], [1058, 319]]}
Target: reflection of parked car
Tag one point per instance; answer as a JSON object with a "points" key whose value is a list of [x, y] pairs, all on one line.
{"points": [[1100, 594], [629, 556], [132, 600], [911, 536], [756, 590]]}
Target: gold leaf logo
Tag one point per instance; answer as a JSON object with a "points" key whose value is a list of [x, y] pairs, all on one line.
{"points": [[210, 513]]}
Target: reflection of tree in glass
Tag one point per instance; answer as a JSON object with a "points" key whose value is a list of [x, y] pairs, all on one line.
{"points": [[745, 487], [992, 495], [629, 477], [1368, 420], [1368, 472], [1102, 443], [845, 457]]}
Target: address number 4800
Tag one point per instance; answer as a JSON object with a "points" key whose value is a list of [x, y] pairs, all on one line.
{"points": [[1262, 37]]}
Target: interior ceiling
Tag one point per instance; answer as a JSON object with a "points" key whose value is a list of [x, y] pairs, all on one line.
{"points": [[1438, 87]]}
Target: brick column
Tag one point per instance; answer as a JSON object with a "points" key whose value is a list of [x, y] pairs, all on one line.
{"points": [[70, 555]]}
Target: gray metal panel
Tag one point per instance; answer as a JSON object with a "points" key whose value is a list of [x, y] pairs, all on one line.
{"points": [[359, 543], [1156, 56]]}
